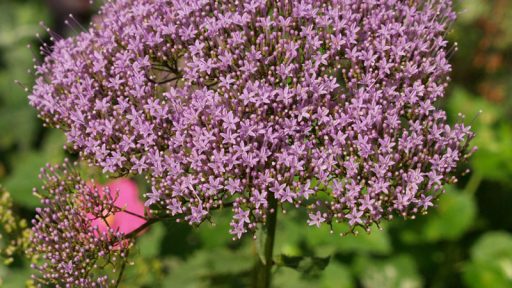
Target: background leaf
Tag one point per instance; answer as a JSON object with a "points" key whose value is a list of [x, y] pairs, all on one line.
{"points": [[306, 265], [398, 271], [491, 261], [452, 218]]}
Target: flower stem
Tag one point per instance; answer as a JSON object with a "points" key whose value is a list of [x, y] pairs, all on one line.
{"points": [[151, 221], [264, 273], [120, 276], [473, 183]]}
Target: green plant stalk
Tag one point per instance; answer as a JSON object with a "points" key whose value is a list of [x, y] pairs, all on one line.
{"points": [[473, 183], [264, 273]]}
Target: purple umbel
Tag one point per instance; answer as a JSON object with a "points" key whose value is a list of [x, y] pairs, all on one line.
{"points": [[327, 105], [72, 252]]}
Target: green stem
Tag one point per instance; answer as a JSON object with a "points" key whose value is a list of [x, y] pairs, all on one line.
{"points": [[473, 183], [148, 223], [264, 274], [151, 221], [120, 276]]}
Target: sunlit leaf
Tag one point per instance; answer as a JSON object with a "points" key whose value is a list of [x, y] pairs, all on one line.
{"points": [[336, 275], [396, 272], [452, 218], [304, 264], [215, 234], [491, 261], [24, 176], [493, 135], [149, 243]]}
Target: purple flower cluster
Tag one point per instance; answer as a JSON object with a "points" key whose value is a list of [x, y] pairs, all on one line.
{"points": [[328, 105], [73, 252]]}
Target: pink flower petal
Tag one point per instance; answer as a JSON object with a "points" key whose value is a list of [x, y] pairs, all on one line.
{"points": [[128, 199]]}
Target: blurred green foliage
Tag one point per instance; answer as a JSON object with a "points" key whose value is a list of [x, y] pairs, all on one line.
{"points": [[466, 241]]}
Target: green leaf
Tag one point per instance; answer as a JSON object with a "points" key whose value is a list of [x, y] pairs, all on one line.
{"points": [[215, 235], [452, 218], [149, 243], [493, 134], [206, 267], [494, 274], [336, 275], [494, 151], [24, 120], [398, 271], [226, 261], [24, 177], [146, 272], [289, 278], [376, 242], [15, 278], [305, 264], [473, 10], [492, 245], [491, 261], [21, 22], [53, 145], [294, 234]]}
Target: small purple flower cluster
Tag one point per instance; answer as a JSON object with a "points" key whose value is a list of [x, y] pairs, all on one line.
{"points": [[74, 252], [328, 105]]}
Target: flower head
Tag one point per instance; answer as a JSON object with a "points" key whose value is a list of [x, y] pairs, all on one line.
{"points": [[73, 251], [239, 101]]}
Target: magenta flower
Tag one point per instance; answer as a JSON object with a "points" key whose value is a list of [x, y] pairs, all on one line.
{"points": [[131, 215]]}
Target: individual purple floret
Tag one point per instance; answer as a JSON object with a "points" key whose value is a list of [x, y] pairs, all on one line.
{"points": [[328, 105], [72, 252]]}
